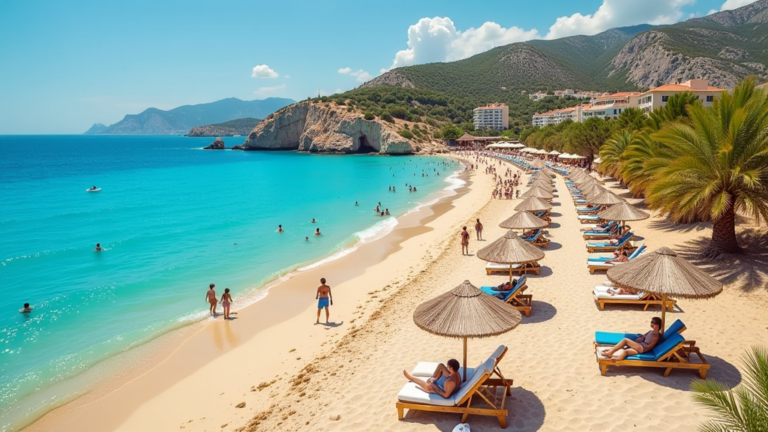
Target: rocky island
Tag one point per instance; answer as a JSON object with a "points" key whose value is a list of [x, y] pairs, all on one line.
{"points": [[323, 127], [217, 144]]}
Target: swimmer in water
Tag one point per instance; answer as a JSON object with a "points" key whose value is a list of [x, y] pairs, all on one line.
{"points": [[317, 231], [26, 308], [98, 247], [280, 228], [356, 203], [313, 220], [386, 212], [306, 238]]}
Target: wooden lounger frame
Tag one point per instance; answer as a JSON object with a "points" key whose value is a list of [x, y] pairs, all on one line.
{"points": [[590, 221], [485, 389], [626, 245], [677, 358], [525, 268], [647, 300]]}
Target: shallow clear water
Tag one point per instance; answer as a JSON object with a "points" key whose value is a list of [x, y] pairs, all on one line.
{"points": [[172, 219]]}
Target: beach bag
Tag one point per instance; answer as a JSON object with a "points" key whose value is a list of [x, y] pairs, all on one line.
{"points": [[461, 427]]}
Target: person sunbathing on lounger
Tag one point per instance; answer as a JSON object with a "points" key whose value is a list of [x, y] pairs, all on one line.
{"points": [[644, 343], [599, 228], [617, 291], [445, 381], [622, 257]]}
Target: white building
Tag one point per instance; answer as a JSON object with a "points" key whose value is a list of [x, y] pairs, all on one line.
{"points": [[610, 106], [493, 116]]}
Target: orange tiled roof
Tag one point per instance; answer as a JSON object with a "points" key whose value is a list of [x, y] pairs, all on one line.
{"points": [[679, 87]]}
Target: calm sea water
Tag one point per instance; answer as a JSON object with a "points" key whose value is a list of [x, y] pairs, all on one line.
{"points": [[171, 218]]}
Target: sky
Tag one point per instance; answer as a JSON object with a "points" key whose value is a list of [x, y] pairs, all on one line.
{"points": [[65, 65]]}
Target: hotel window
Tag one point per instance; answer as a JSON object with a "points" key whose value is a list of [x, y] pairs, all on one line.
{"points": [[664, 98], [710, 98]]}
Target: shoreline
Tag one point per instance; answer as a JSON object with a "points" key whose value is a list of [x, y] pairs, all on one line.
{"points": [[163, 349]]}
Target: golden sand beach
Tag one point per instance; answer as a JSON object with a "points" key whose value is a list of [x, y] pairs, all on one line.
{"points": [[293, 375]]}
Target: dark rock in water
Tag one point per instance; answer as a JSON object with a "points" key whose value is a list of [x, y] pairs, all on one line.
{"points": [[218, 144], [239, 147]]}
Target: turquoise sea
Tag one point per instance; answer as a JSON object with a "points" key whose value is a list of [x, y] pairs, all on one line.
{"points": [[171, 218]]}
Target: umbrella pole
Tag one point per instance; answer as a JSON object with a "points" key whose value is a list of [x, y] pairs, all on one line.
{"points": [[510, 275], [465, 360], [663, 314]]}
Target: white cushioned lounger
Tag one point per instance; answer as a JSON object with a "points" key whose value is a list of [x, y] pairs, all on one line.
{"points": [[426, 369], [497, 266], [412, 393]]}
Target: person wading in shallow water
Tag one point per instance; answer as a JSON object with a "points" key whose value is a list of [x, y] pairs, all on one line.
{"points": [[210, 297], [324, 300]]}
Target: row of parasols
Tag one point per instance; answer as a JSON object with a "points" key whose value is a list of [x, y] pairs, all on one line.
{"points": [[467, 312]]}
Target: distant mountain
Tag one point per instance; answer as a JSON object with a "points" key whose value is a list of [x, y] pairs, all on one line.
{"points": [[179, 121], [96, 129], [724, 47], [229, 128]]}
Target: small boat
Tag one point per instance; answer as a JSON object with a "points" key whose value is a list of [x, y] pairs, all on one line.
{"points": [[93, 190]]}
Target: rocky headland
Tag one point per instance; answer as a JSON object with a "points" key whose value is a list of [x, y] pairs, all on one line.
{"points": [[323, 127], [230, 128], [217, 144]]}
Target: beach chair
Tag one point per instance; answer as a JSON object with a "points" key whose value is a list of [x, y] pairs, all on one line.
{"points": [[479, 387], [623, 243], [525, 268], [591, 235], [612, 338], [587, 210], [602, 298], [515, 296], [589, 218], [597, 264], [537, 239], [544, 215], [674, 352]]}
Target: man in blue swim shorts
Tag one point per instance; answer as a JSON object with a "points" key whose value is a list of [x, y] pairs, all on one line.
{"points": [[324, 299]]}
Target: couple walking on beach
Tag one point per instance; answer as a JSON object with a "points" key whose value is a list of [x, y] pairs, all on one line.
{"points": [[465, 237], [226, 300]]}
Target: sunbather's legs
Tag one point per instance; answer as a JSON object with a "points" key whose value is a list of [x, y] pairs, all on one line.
{"points": [[427, 387], [618, 352], [441, 371]]}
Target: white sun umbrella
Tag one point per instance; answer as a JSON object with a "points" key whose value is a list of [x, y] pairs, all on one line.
{"points": [[597, 161], [517, 145], [554, 152]]}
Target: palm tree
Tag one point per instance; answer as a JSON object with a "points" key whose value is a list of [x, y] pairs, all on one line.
{"points": [[611, 151], [677, 109], [744, 409], [714, 167]]}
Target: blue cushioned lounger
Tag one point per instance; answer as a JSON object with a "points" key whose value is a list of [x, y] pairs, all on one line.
{"points": [[608, 338]]}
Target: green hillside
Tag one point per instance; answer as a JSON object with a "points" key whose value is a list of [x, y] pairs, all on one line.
{"points": [[241, 126]]}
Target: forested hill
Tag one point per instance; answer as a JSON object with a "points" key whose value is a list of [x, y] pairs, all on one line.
{"points": [[724, 47], [229, 128], [180, 120]]}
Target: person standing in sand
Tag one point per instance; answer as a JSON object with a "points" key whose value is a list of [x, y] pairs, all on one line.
{"points": [[324, 300], [479, 230], [210, 297], [226, 301], [464, 242]]}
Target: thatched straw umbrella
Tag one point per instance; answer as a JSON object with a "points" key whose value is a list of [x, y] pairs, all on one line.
{"points": [[663, 272], [510, 249], [623, 212], [539, 192], [548, 172], [466, 312], [523, 220], [605, 198], [537, 163], [549, 187], [533, 204]]}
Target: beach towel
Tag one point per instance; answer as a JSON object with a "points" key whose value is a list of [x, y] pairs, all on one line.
{"points": [[461, 427]]}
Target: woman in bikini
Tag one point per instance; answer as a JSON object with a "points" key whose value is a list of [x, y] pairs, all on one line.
{"points": [[644, 343], [226, 301]]}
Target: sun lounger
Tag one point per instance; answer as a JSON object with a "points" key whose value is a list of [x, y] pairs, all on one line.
{"points": [[602, 297], [479, 387], [587, 210], [515, 296], [589, 218], [674, 352], [427, 369], [531, 267], [596, 264], [612, 338], [624, 241], [538, 239]]}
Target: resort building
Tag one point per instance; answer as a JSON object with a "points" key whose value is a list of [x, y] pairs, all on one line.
{"points": [[557, 116], [493, 116], [610, 106], [657, 97]]}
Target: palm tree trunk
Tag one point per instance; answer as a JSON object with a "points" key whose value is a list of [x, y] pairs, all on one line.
{"points": [[723, 236]]}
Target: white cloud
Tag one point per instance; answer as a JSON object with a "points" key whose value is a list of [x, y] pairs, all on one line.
{"points": [[360, 75], [263, 71], [735, 4], [619, 13], [437, 39], [265, 91]]}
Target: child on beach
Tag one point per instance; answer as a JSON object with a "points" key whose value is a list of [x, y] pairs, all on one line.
{"points": [[226, 301]]}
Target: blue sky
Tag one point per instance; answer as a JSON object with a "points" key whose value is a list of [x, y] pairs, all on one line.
{"points": [[67, 65]]}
